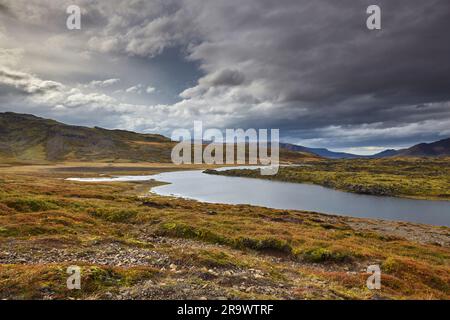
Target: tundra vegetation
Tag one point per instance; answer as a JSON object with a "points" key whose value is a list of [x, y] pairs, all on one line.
{"points": [[131, 244]]}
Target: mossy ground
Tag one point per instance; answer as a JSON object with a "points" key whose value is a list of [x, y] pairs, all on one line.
{"points": [[149, 247]]}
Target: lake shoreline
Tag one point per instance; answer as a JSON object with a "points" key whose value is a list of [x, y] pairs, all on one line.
{"points": [[362, 187], [197, 185]]}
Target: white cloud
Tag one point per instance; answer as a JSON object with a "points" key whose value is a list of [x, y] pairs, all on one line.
{"points": [[10, 57], [28, 83], [150, 89], [102, 83], [135, 89]]}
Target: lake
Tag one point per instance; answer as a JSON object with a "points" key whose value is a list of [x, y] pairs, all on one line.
{"points": [[194, 184]]}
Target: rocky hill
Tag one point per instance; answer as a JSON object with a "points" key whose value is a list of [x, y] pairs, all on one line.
{"points": [[434, 149], [26, 137]]}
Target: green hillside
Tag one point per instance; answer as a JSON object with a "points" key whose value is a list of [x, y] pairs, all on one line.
{"points": [[29, 138], [26, 138]]}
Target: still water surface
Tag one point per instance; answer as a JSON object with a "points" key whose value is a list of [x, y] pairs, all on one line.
{"points": [[195, 184]]}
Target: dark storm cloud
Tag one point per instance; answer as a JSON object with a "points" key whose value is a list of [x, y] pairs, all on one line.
{"points": [[308, 67], [226, 78], [4, 9], [327, 63], [403, 64]]}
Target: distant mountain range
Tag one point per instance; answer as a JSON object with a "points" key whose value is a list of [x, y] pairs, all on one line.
{"points": [[434, 149], [25, 137], [322, 152]]}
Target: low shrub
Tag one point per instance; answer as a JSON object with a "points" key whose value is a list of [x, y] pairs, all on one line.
{"points": [[114, 215], [325, 255], [31, 205]]}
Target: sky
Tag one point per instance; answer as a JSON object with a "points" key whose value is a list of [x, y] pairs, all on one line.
{"points": [[310, 68]]}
